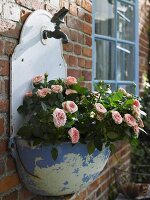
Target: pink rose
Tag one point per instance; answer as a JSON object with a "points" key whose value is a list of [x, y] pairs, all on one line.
{"points": [[116, 117], [69, 91], [136, 130], [56, 88], [130, 120], [70, 80], [100, 108], [136, 103], [59, 117], [28, 94], [136, 111], [140, 123], [38, 79], [69, 106], [74, 135], [43, 92]]}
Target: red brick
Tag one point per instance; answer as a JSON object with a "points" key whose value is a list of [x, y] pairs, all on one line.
{"points": [[81, 38], [9, 47], [9, 182], [87, 29], [66, 57], [11, 196], [88, 18], [81, 196], [87, 52], [68, 47], [77, 49], [73, 35], [88, 41], [88, 64], [10, 164], [87, 75], [88, 85], [4, 105], [33, 5], [1, 47], [1, 126], [4, 67], [73, 61], [86, 4], [4, 86], [75, 73], [2, 167], [78, 2], [81, 13], [24, 194], [24, 14], [81, 62], [93, 186], [73, 9], [65, 3], [74, 23], [3, 146]]}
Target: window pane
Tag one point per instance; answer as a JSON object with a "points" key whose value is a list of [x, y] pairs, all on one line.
{"points": [[104, 17], [105, 58], [128, 88], [125, 65], [125, 21]]}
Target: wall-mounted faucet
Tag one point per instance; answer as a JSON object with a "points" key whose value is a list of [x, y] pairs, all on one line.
{"points": [[58, 19]]}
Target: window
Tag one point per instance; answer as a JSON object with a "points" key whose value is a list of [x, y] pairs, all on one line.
{"points": [[115, 43]]}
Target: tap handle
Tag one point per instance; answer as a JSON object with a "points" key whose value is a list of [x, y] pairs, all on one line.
{"points": [[58, 17]]}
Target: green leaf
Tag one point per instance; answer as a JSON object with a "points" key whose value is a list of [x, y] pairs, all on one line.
{"points": [[112, 135], [91, 147], [37, 141], [112, 148], [54, 153], [25, 131], [20, 109], [44, 106], [98, 144]]}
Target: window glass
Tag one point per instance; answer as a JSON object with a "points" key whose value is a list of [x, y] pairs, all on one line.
{"points": [[105, 60], [128, 88]]}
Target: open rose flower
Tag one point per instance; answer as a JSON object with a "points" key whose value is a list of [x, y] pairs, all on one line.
{"points": [[136, 130], [69, 91], [28, 94], [70, 80], [38, 79], [74, 135], [136, 103], [43, 92], [69, 106], [59, 117], [100, 108], [117, 117], [130, 120], [56, 88]]}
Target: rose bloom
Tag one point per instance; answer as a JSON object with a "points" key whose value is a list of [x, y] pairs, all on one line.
{"points": [[74, 135], [136, 111], [100, 108], [130, 120], [69, 106], [28, 94], [136, 103], [38, 79], [136, 130], [116, 117], [43, 92], [56, 88], [59, 118], [129, 95], [122, 90], [140, 123], [69, 91], [70, 80]]}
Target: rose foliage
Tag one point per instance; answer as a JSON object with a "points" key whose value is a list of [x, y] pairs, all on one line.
{"points": [[59, 111]]}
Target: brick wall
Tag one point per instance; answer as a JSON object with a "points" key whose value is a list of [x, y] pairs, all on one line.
{"points": [[144, 25], [78, 56]]}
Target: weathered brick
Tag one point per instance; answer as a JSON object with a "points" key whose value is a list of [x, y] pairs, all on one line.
{"points": [[4, 105], [81, 13], [74, 23], [78, 2], [1, 47], [87, 5], [68, 47], [3, 146], [73, 9], [73, 35], [11, 11], [9, 47], [88, 85], [77, 49], [11, 196], [2, 167], [4, 86], [9, 182], [10, 164], [93, 186], [4, 67], [64, 3], [24, 14], [30, 4], [81, 196], [87, 29], [66, 57], [24, 194], [87, 52], [87, 75], [76, 73], [88, 41], [81, 38], [81, 62], [73, 61], [1, 126], [88, 18]]}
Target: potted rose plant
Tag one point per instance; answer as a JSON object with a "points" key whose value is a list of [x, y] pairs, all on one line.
{"points": [[68, 131]]}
